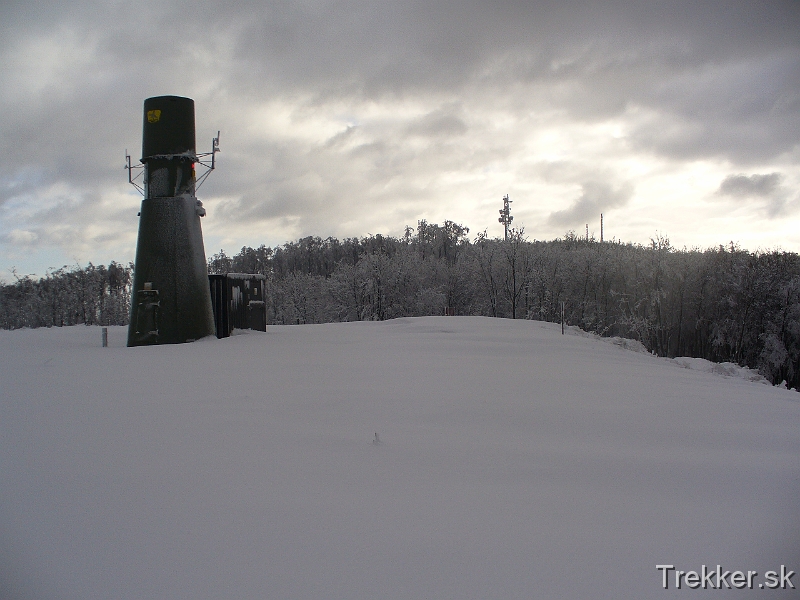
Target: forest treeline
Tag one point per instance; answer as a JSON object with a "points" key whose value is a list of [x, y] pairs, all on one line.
{"points": [[91, 295], [722, 304]]}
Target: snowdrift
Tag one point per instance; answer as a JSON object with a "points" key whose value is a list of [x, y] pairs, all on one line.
{"points": [[513, 462]]}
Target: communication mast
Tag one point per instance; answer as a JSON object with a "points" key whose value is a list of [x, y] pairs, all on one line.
{"points": [[171, 298], [505, 214]]}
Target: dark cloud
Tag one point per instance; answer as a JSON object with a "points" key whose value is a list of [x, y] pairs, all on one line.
{"points": [[596, 197], [439, 123], [715, 82], [744, 111], [753, 185], [341, 138], [765, 188]]}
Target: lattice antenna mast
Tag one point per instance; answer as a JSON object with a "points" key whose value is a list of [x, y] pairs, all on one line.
{"points": [[505, 214]]}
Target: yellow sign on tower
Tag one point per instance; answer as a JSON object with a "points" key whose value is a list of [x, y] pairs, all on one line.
{"points": [[153, 116]]}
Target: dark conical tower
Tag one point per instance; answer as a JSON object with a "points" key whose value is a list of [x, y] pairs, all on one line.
{"points": [[171, 300]]}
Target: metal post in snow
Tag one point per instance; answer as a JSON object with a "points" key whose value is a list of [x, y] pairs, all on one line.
{"points": [[562, 317], [105, 337]]}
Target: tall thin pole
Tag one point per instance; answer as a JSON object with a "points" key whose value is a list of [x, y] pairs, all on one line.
{"points": [[601, 228]]}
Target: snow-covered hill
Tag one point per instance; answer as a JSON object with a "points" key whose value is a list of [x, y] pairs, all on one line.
{"points": [[513, 462]]}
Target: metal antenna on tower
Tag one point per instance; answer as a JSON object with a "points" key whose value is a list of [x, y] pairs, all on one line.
{"points": [[505, 214]]}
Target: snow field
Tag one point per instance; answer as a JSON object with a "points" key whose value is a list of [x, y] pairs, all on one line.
{"points": [[515, 463]]}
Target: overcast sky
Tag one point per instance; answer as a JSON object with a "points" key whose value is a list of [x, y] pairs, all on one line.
{"points": [[344, 118]]}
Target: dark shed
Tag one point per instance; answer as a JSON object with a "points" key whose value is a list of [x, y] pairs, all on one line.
{"points": [[238, 302]]}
